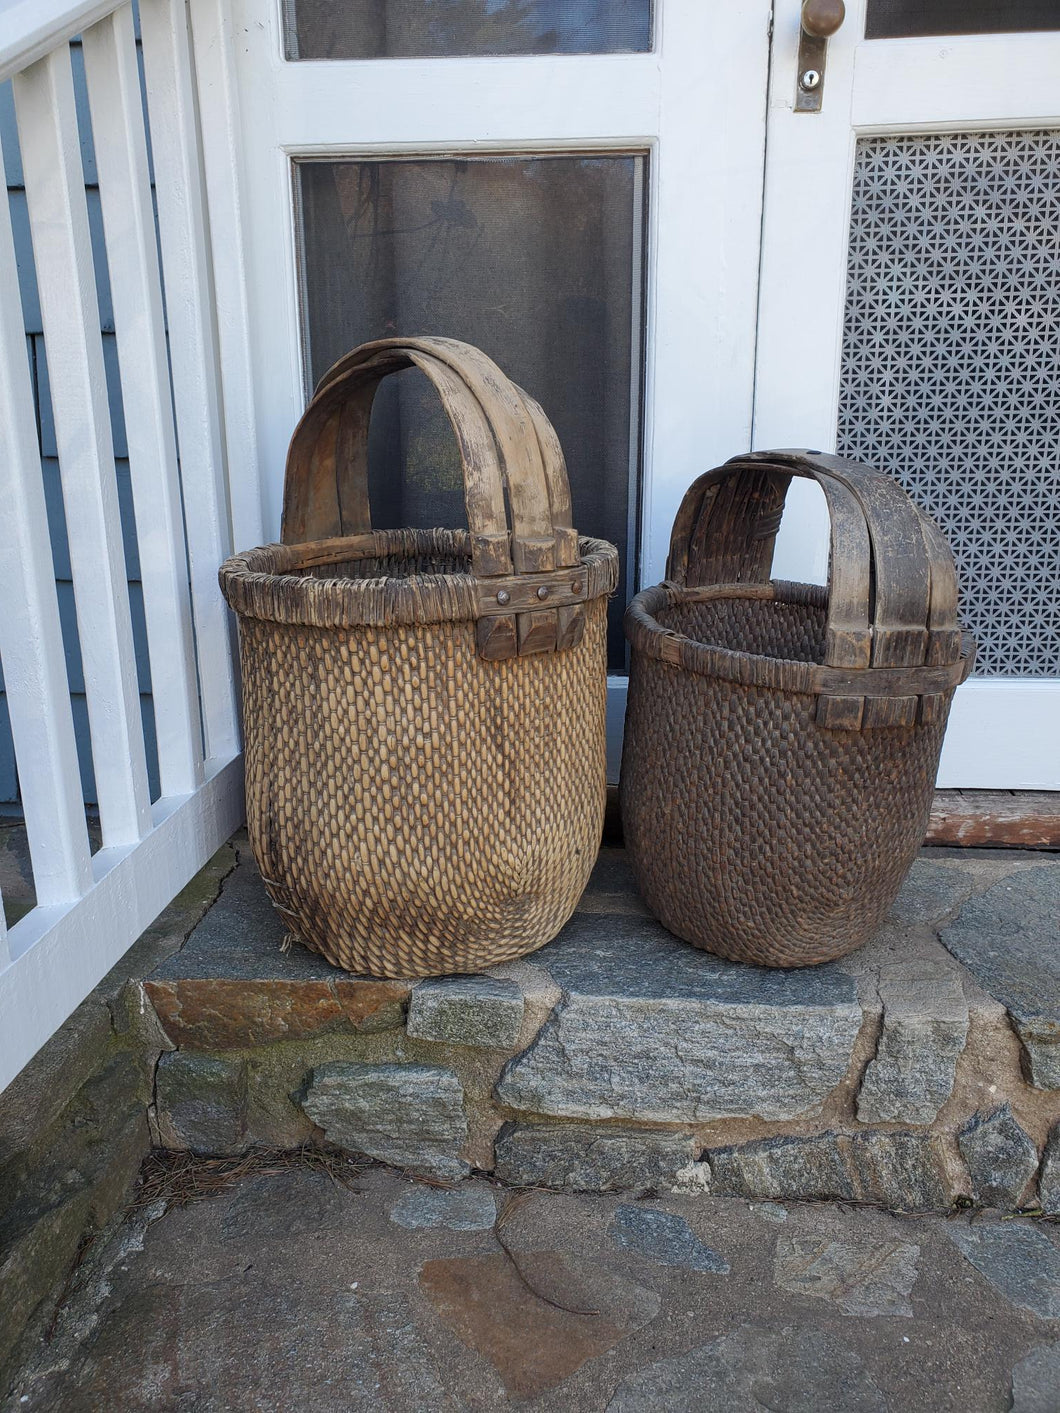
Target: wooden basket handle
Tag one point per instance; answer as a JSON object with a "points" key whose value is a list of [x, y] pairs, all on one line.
{"points": [[507, 448], [892, 591]]}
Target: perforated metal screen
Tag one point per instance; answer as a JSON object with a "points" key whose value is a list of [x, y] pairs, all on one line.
{"points": [[951, 365]]}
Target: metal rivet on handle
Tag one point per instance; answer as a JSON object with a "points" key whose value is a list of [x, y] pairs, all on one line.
{"points": [[503, 596], [542, 593]]}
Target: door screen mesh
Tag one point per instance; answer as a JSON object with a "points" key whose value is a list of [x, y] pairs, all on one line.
{"points": [[951, 365]]}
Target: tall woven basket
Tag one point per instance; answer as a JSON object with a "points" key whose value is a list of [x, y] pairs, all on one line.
{"points": [[782, 740], [424, 710]]}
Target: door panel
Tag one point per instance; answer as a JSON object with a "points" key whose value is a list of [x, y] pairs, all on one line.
{"points": [[909, 306], [680, 128]]}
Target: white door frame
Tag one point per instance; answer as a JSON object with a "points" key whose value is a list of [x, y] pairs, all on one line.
{"points": [[695, 105], [1003, 731]]}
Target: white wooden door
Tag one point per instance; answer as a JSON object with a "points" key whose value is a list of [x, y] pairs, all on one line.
{"points": [[690, 108], [910, 301]]}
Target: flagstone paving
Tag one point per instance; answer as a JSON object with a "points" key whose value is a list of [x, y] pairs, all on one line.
{"points": [[291, 1292]]}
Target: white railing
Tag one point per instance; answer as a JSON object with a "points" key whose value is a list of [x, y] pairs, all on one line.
{"points": [[90, 908]]}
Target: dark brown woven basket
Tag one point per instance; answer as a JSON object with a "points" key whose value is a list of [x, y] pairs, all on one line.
{"points": [[782, 740], [424, 710]]}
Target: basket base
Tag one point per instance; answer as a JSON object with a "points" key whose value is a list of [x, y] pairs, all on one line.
{"points": [[812, 945], [414, 809], [755, 831], [401, 955]]}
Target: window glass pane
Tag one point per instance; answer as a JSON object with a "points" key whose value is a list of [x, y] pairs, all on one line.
{"points": [[536, 260], [949, 365], [892, 19], [384, 29]]}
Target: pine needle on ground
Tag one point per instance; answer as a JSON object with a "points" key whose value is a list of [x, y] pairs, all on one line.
{"points": [[180, 1178]]}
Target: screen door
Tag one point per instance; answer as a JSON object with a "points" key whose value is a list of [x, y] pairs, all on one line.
{"points": [[574, 186], [910, 317]]}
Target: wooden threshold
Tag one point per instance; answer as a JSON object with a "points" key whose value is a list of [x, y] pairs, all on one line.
{"points": [[1010, 819], [984, 819]]}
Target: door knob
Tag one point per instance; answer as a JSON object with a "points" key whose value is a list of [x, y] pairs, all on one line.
{"points": [[821, 18], [817, 20]]}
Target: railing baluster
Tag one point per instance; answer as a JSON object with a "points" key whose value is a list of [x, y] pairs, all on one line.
{"points": [[128, 219], [212, 32], [196, 385], [31, 641], [90, 909], [55, 193]]}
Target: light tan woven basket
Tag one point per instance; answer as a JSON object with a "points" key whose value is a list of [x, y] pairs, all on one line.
{"points": [[424, 710]]}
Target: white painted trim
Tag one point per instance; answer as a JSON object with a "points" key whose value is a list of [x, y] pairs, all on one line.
{"points": [[1003, 735], [809, 162], [546, 99], [617, 688], [805, 228], [703, 254], [984, 80], [213, 40], [182, 220], [29, 29], [60, 953]]}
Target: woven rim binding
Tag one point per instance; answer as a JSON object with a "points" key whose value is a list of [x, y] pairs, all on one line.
{"points": [[647, 635], [261, 583]]}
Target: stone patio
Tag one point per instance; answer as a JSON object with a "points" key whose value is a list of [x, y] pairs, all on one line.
{"points": [[291, 1292], [919, 1071], [918, 1075]]}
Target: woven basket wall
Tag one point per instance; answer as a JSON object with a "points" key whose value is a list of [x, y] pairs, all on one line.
{"points": [[416, 805], [756, 830]]}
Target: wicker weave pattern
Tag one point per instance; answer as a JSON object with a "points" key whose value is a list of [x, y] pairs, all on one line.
{"points": [[754, 832], [415, 808], [782, 739], [425, 768]]}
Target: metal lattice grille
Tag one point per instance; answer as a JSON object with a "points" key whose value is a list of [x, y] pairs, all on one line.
{"points": [[951, 365]]}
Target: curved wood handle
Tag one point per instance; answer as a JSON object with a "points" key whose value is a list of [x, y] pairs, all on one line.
{"points": [[326, 485], [506, 444], [892, 588], [512, 463]]}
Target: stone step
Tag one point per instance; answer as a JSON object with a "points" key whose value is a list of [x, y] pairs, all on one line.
{"points": [[920, 1070]]}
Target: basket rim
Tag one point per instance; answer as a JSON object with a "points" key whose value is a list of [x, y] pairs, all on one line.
{"points": [[260, 583], [648, 636]]}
